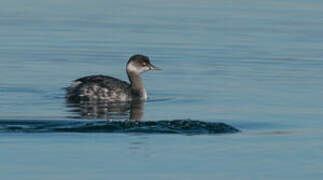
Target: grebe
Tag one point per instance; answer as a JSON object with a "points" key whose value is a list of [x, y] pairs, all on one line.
{"points": [[100, 87]]}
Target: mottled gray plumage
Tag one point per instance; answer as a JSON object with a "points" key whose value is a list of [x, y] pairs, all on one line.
{"points": [[100, 87]]}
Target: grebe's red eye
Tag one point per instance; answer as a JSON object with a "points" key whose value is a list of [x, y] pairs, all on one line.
{"points": [[144, 63]]}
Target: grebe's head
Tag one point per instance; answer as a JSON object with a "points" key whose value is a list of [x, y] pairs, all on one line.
{"points": [[139, 64]]}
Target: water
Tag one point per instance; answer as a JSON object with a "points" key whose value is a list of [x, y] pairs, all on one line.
{"points": [[255, 66]]}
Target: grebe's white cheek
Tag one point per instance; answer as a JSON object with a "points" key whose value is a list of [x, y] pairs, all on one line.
{"points": [[132, 68]]}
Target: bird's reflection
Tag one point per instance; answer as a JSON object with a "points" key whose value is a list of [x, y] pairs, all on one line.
{"points": [[107, 110]]}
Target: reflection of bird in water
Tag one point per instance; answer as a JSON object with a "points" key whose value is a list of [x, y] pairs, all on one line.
{"points": [[108, 110], [99, 87]]}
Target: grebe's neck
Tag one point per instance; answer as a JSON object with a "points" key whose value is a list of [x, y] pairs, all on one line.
{"points": [[136, 85]]}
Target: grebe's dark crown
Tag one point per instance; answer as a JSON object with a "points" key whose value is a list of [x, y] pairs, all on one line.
{"points": [[138, 58]]}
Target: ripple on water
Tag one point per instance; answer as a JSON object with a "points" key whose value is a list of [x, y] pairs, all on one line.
{"points": [[189, 127]]}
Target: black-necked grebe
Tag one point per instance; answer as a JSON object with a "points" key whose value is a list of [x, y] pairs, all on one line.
{"points": [[100, 87]]}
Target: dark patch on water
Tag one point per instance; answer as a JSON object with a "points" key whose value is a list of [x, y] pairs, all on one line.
{"points": [[189, 127]]}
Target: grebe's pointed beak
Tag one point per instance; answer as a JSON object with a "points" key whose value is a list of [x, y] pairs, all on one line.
{"points": [[152, 67]]}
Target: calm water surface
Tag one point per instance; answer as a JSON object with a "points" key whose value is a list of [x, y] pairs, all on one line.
{"points": [[256, 66]]}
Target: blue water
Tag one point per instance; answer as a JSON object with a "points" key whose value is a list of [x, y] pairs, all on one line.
{"points": [[255, 66]]}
